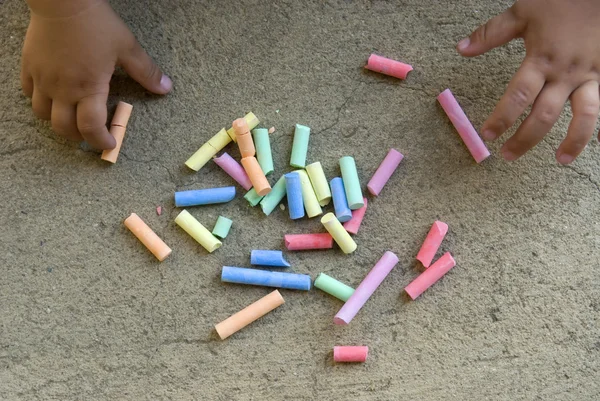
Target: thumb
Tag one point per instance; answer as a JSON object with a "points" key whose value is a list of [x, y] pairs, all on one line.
{"points": [[140, 66], [499, 30]]}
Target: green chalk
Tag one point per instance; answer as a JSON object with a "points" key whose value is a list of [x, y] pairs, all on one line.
{"points": [[222, 227], [263, 149], [351, 183], [273, 198], [252, 197], [300, 146], [333, 287]]}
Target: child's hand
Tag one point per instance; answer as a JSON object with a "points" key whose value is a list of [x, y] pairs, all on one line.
{"points": [[562, 41], [70, 52]]}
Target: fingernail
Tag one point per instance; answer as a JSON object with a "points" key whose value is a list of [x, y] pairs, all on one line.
{"points": [[564, 158], [165, 83], [463, 44], [509, 156], [488, 135]]}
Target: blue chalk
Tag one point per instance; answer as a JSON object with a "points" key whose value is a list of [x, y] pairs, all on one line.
{"points": [[268, 258], [294, 195], [267, 278], [340, 203], [204, 196]]}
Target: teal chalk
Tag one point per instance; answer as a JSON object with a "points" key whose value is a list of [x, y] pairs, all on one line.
{"points": [[252, 197], [272, 199], [222, 227], [262, 143], [354, 194], [300, 146]]}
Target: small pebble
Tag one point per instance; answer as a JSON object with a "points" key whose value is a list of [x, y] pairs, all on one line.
{"points": [[282, 206], [49, 270]]}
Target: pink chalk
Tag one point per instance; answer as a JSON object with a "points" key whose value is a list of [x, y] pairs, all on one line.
{"points": [[366, 288], [303, 242], [234, 169], [271, 130], [388, 66], [432, 242], [430, 276], [353, 224], [384, 171], [159, 210], [350, 353], [464, 127]]}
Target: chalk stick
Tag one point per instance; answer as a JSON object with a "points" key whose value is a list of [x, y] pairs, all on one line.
{"points": [[241, 275], [430, 276], [388, 66], [432, 242], [147, 237], [354, 223], [341, 236], [305, 242], [464, 127], [252, 197], [333, 287], [263, 149], [222, 227], [384, 171], [300, 146], [249, 314], [257, 177], [273, 198], [208, 150], [268, 258], [319, 183], [294, 195], [244, 138], [366, 288], [234, 169], [351, 182], [118, 126], [252, 122], [350, 353], [340, 203], [311, 203], [197, 231], [208, 196]]}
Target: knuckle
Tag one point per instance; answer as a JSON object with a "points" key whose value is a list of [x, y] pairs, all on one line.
{"points": [[546, 115], [151, 72], [480, 34], [520, 97], [589, 110]]}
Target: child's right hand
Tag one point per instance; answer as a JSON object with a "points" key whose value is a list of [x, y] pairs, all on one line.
{"points": [[69, 55]]}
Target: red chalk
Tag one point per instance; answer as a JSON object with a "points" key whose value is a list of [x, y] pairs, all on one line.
{"points": [[432, 242], [350, 353], [353, 224], [159, 210], [303, 242], [430, 276], [388, 66]]}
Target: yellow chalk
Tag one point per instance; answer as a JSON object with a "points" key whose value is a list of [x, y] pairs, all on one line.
{"points": [[197, 231], [339, 234], [220, 140], [252, 121], [319, 183], [201, 157], [311, 203]]}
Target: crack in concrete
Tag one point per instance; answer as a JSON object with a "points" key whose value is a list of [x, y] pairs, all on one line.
{"points": [[339, 110], [158, 162], [584, 175]]}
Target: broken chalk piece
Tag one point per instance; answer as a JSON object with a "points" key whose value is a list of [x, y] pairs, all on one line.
{"points": [[340, 204], [311, 203], [354, 223], [350, 353], [249, 314], [268, 258], [222, 227], [305, 242], [271, 130], [263, 149], [159, 210], [384, 171], [244, 139], [351, 182], [197, 231], [273, 198], [319, 182], [118, 126], [252, 122], [242, 275], [300, 146], [430, 276], [339, 234], [208, 150], [333, 287], [207, 196], [388, 66], [464, 127], [234, 169], [256, 175], [432, 242], [366, 288], [294, 195], [147, 237], [252, 197]]}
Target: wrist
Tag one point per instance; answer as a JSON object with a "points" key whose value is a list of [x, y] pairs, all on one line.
{"points": [[60, 8]]}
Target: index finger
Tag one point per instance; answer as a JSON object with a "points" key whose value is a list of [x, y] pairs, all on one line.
{"points": [[91, 121]]}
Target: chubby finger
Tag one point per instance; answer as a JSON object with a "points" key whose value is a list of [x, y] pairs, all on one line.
{"points": [[91, 121], [140, 66], [544, 114], [585, 103], [522, 90], [26, 83], [41, 105], [64, 120]]}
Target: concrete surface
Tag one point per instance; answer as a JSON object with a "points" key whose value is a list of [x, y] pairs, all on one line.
{"points": [[86, 313]]}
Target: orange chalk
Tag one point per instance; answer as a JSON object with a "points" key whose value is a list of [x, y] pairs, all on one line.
{"points": [[117, 130], [256, 175], [148, 237], [243, 137], [249, 314]]}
